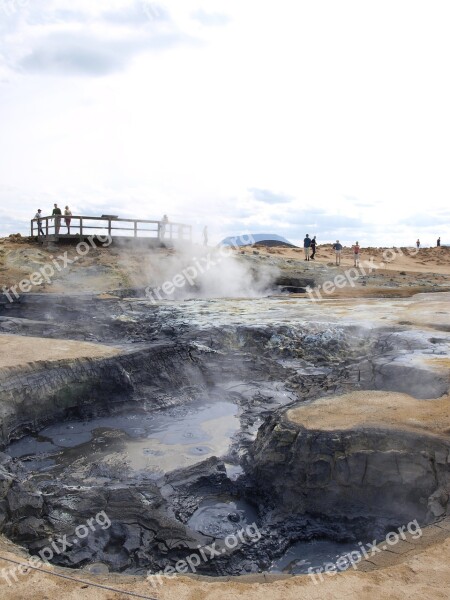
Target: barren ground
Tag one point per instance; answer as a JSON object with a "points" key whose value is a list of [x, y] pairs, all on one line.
{"points": [[422, 574], [17, 350], [375, 409], [419, 572], [399, 272]]}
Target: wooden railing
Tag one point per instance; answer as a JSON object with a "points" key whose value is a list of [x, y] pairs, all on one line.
{"points": [[81, 226]]}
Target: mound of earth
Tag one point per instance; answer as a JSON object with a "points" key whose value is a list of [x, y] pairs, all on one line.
{"points": [[374, 409], [273, 244], [256, 238], [369, 454], [17, 350]]}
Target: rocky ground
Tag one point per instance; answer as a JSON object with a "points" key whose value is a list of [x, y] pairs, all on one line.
{"points": [[386, 272], [342, 404]]}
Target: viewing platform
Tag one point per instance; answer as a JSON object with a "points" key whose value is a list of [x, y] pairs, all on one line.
{"points": [[82, 226]]}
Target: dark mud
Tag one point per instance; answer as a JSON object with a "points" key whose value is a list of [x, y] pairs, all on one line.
{"points": [[165, 454]]}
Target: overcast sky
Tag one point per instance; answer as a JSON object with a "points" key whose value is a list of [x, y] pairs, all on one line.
{"points": [[327, 117]]}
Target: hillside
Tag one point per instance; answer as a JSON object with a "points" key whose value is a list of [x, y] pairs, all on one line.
{"points": [[243, 239]]}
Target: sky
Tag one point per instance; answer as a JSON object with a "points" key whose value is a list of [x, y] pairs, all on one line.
{"points": [[298, 116]]}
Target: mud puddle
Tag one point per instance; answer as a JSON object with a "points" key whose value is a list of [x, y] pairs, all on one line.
{"points": [[154, 442], [314, 555], [219, 519]]}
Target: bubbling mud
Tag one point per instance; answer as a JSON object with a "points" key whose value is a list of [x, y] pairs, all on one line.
{"points": [[181, 436]]}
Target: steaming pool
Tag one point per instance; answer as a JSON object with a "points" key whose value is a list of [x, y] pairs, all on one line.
{"points": [[170, 455], [153, 442], [136, 444]]}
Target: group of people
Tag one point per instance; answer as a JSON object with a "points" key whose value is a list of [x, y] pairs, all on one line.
{"points": [[311, 245], [438, 243], [56, 215]]}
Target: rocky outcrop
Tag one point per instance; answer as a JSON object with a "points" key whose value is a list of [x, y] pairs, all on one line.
{"points": [[294, 284], [137, 529], [354, 471], [44, 392]]}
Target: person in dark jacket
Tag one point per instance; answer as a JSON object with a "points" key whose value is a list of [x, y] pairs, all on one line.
{"points": [[56, 214], [307, 246], [337, 247], [313, 247]]}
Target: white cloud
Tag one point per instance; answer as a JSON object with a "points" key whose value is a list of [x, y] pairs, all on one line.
{"points": [[211, 19], [323, 115]]}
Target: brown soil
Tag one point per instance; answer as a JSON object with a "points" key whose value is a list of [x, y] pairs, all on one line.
{"points": [[390, 410], [426, 260], [419, 572], [17, 350]]}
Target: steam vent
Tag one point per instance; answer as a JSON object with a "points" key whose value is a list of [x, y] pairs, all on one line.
{"points": [[180, 422]]}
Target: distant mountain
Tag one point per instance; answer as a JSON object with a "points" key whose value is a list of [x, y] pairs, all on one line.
{"points": [[254, 238]]}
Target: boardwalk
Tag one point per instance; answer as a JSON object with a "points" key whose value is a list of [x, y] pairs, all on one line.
{"points": [[82, 226]]}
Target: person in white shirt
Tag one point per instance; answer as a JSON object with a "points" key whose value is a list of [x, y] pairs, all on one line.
{"points": [[162, 226], [38, 216], [67, 215]]}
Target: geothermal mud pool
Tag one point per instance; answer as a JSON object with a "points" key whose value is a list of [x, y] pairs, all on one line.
{"points": [[153, 442], [186, 436]]}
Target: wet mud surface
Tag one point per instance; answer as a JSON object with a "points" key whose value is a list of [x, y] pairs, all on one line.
{"points": [[169, 460]]}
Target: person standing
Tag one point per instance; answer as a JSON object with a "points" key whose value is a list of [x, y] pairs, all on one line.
{"points": [[162, 226], [307, 246], [56, 214], [313, 247], [418, 243], [67, 218], [205, 236], [337, 247], [356, 252], [439, 242], [38, 217]]}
